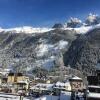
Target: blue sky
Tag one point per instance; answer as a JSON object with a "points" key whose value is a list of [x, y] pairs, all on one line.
{"points": [[39, 13]]}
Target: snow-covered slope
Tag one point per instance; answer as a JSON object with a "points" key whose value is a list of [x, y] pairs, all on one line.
{"points": [[83, 29], [52, 52]]}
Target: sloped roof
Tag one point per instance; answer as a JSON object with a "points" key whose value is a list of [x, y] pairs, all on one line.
{"points": [[75, 78]]}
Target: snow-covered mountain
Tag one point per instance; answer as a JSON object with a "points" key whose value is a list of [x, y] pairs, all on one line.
{"points": [[26, 51], [30, 48], [39, 50]]}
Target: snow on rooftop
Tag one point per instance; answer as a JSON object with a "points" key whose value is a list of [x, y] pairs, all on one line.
{"points": [[76, 78], [42, 86], [59, 84], [62, 85]]}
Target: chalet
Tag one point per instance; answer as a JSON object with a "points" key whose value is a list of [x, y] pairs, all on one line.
{"points": [[16, 77], [61, 86], [18, 81], [76, 83]]}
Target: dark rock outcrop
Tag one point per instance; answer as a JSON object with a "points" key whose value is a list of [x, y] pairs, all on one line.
{"points": [[58, 25]]}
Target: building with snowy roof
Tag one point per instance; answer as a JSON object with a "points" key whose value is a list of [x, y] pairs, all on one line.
{"points": [[76, 83], [63, 86], [42, 88]]}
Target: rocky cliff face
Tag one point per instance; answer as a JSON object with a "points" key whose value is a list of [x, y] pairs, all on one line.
{"points": [[84, 53]]}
